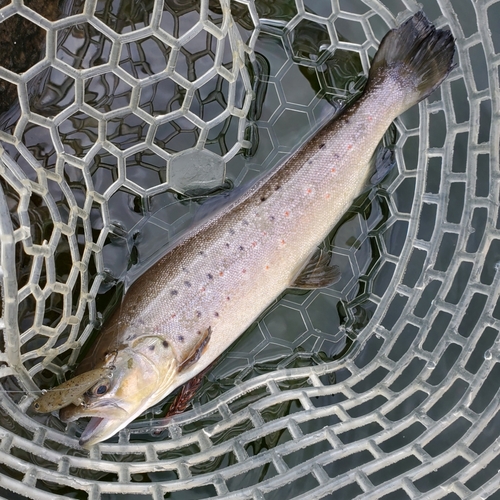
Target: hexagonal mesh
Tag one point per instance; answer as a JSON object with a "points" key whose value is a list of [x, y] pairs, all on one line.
{"points": [[119, 119]]}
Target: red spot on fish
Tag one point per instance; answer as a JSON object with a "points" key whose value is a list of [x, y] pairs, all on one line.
{"points": [[244, 271], [282, 242], [173, 316], [309, 191], [327, 196], [370, 118], [349, 147], [221, 273], [333, 170], [202, 289], [254, 243], [228, 298], [267, 267], [287, 213], [264, 233]]}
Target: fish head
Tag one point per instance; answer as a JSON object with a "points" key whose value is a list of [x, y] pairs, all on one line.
{"points": [[139, 377]]}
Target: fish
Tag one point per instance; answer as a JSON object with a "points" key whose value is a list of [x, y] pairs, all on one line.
{"points": [[195, 301]]}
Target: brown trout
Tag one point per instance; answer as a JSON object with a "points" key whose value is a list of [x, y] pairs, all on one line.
{"points": [[190, 306]]}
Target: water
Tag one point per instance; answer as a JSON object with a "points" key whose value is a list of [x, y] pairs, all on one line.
{"points": [[424, 203]]}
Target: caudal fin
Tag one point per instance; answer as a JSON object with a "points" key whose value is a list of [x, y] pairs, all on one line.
{"points": [[417, 55]]}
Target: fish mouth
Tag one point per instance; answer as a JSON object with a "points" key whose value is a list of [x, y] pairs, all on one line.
{"points": [[104, 422], [101, 428], [110, 411], [94, 429]]}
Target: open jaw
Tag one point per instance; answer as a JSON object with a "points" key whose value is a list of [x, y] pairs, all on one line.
{"points": [[94, 426], [101, 428]]}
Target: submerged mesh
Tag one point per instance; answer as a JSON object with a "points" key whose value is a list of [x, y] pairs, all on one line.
{"points": [[120, 118]]}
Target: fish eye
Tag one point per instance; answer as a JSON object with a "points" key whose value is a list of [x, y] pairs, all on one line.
{"points": [[100, 388]]}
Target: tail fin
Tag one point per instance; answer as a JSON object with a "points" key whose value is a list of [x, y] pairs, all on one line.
{"points": [[417, 54]]}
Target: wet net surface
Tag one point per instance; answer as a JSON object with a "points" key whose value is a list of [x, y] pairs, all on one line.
{"points": [[119, 119]]}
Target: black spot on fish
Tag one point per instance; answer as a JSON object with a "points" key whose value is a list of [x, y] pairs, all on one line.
{"points": [[188, 284], [228, 245], [242, 248], [210, 277], [277, 187], [271, 217], [336, 155], [310, 162], [165, 344], [174, 292], [201, 252], [245, 222], [198, 314], [347, 120], [262, 198], [180, 338], [199, 332], [151, 347], [216, 314], [321, 146]]}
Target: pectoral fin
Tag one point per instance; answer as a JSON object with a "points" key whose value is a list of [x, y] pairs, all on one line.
{"points": [[188, 391], [317, 273], [197, 350], [69, 392]]}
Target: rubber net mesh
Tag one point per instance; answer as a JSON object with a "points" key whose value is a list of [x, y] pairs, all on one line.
{"points": [[120, 118]]}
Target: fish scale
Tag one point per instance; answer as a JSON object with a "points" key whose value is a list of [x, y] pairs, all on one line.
{"points": [[271, 234]]}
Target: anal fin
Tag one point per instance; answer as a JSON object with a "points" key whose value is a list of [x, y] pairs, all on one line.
{"points": [[317, 273]]}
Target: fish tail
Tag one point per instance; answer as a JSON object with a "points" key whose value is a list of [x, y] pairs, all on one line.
{"points": [[417, 56]]}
